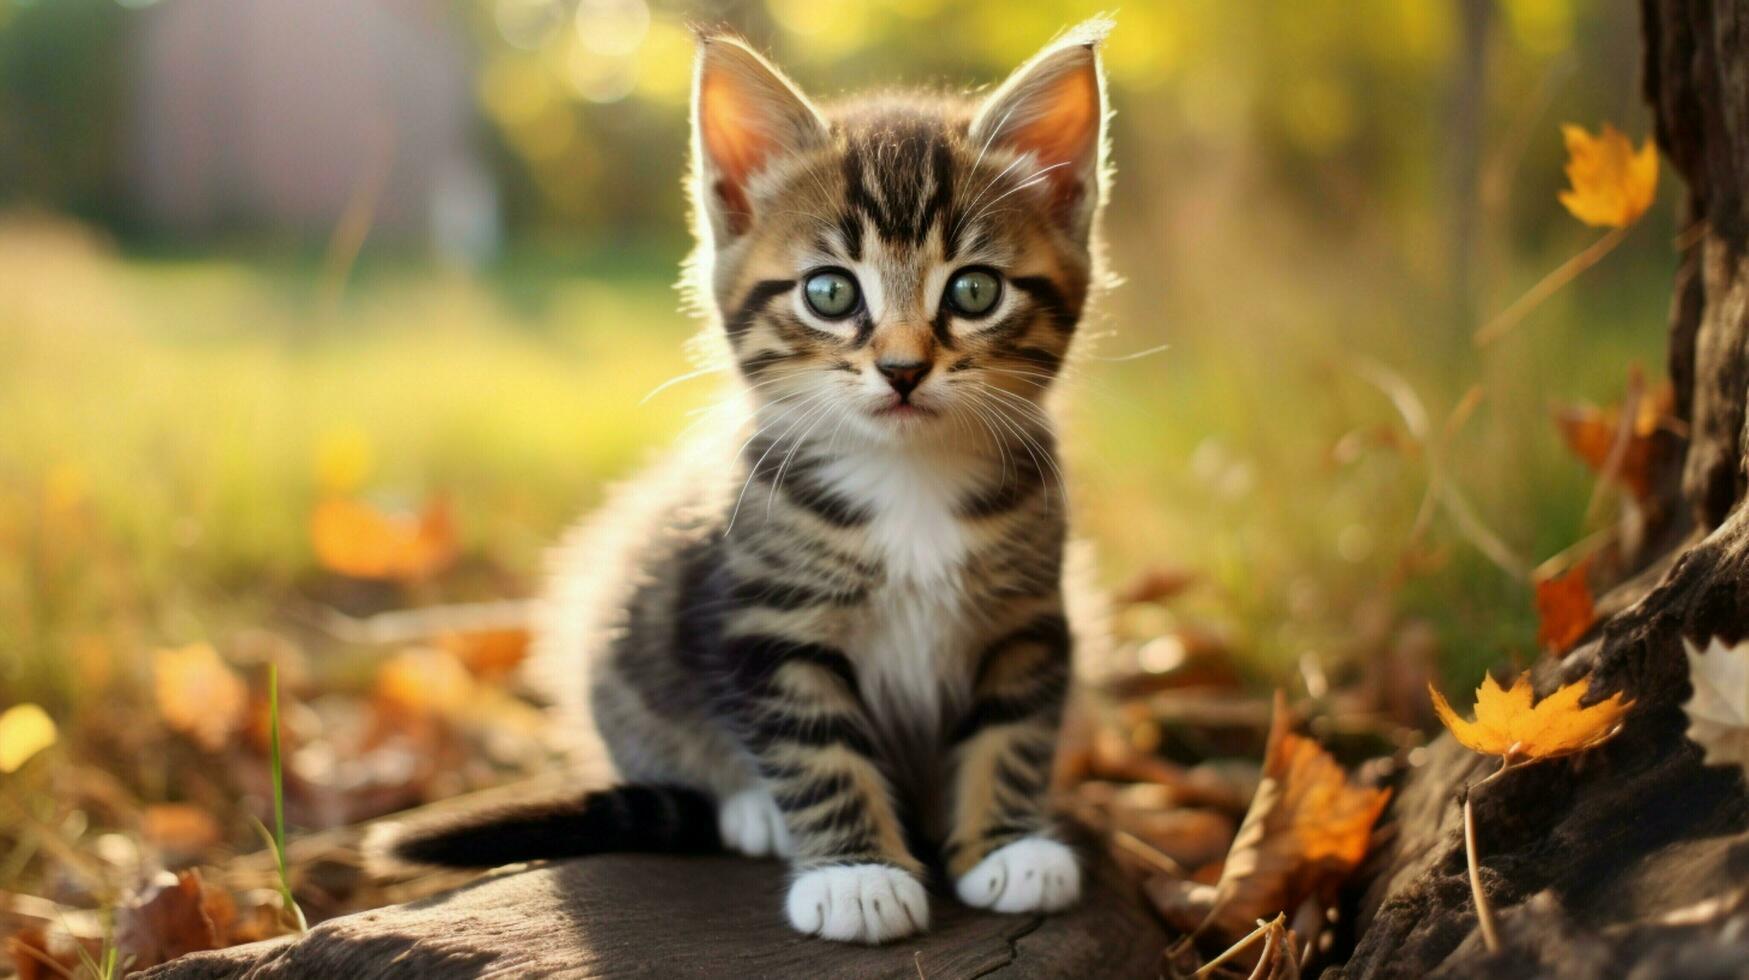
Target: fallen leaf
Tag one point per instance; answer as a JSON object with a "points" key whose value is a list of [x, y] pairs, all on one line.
{"points": [[1307, 829], [423, 681], [199, 695], [1612, 184], [359, 541], [489, 654], [1564, 607], [1718, 711], [166, 919], [25, 730], [180, 828], [1508, 724], [1591, 433], [38, 954]]}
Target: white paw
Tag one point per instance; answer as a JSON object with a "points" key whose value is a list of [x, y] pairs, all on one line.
{"points": [[858, 903], [751, 823], [1033, 874]]}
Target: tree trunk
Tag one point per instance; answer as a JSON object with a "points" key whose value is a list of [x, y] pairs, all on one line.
{"points": [[1634, 857]]}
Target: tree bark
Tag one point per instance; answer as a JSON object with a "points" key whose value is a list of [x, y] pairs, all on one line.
{"points": [[1633, 858]]}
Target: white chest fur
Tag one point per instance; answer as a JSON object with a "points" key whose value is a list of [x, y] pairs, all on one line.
{"points": [[909, 647]]}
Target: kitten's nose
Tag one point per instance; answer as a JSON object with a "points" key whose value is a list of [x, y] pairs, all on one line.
{"points": [[903, 375]]}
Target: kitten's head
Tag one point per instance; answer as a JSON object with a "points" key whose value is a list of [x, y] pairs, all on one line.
{"points": [[899, 267]]}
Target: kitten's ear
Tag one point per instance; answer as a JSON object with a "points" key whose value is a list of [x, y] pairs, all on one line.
{"points": [[745, 116], [1053, 107]]}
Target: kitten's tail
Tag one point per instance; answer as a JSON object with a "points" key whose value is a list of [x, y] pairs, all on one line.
{"points": [[661, 819]]}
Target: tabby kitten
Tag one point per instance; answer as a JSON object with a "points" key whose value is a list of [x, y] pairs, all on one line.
{"points": [[842, 640]]}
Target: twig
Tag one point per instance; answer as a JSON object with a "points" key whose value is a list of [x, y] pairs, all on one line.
{"points": [[1149, 854], [409, 625], [1484, 911], [1567, 271], [1408, 404], [1207, 969]]}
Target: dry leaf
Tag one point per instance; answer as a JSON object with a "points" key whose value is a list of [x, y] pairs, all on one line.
{"points": [[1591, 433], [180, 828], [490, 654], [165, 920], [1307, 829], [38, 954], [1508, 725], [1718, 711], [25, 730], [424, 682], [1612, 184], [199, 695], [1564, 607], [357, 540]]}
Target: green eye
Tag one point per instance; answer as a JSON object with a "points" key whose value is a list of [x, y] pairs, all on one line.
{"points": [[832, 293], [973, 292]]}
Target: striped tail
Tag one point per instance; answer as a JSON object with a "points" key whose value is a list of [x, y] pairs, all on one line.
{"points": [[659, 819]]}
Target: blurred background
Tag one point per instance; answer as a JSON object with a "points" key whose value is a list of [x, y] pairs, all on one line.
{"points": [[312, 310]]}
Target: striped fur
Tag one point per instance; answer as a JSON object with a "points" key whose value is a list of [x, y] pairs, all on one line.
{"points": [[852, 614]]}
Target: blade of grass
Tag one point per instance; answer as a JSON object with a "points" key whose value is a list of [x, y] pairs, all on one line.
{"points": [[278, 838]]}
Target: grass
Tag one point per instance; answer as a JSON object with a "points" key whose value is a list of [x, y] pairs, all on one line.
{"points": [[276, 760]]}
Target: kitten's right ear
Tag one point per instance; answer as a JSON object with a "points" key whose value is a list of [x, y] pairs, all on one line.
{"points": [[745, 116]]}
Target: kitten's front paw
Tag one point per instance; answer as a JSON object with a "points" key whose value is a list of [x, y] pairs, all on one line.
{"points": [[751, 823], [858, 903], [1033, 874]]}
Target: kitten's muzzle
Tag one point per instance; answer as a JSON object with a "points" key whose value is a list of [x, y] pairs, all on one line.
{"points": [[904, 376]]}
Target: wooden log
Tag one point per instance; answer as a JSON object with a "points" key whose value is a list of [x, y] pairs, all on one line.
{"points": [[660, 916]]}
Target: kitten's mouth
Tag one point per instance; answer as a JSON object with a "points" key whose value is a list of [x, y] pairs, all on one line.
{"points": [[903, 410]]}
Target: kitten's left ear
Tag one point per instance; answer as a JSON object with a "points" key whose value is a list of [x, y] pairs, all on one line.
{"points": [[1053, 107], [746, 116]]}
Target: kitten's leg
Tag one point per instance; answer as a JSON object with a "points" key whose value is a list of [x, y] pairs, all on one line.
{"points": [[750, 822], [802, 717], [1000, 850]]}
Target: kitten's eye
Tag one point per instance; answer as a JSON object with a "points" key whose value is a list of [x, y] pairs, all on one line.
{"points": [[832, 293], [973, 292]]}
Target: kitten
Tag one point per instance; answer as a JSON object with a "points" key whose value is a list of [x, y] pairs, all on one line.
{"points": [[843, 641]]}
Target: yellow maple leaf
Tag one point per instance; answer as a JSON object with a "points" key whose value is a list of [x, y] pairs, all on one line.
{"points": [[1612, 183], [25, 730], [1508, 724], [199, 695]]}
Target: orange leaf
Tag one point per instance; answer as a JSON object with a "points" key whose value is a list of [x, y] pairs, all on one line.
{"points": [[180, 828], [357, 540], [489, 654], [1306, 831], [1612, 183], [199, 695], [1591, 433], [1509, 725], [424, 682], [1564, 607]]}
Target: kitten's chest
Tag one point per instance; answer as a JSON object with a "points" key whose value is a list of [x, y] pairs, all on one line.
{"points": [[910, 639]]}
